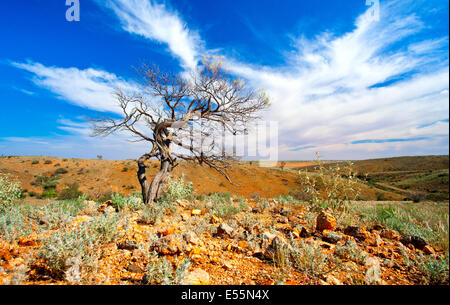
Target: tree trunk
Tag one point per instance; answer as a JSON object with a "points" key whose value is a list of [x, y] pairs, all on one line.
{"points": [[143, 179], [153, 191], [156, 187]]}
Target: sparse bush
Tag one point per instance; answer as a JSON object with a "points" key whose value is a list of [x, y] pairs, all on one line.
{"points": [[161, 272], [60, 171], [333, 185], [176, 189], [351, 251], [13, 224], [105, 196], [47, 162], [311, 260], [130, 203], [9, 191], [225, 210], [152, 214], [434, 270], [71, 192], [81, 243], [34, 162]]}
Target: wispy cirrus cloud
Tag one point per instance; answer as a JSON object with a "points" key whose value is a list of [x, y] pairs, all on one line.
{"points": [[379, 81], [88, 88], [378, 90], [156, 22]]}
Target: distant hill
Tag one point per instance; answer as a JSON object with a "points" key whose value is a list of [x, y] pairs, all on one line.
{"points": [[96, 177]]}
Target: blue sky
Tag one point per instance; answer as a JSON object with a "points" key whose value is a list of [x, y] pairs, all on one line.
{"points": [[341, 82]]}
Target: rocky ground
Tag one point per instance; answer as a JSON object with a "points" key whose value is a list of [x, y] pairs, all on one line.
{"points": [[244, 241]]}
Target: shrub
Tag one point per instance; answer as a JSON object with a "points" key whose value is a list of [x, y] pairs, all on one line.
{"points": [[333, 185], [9, 191], [434, 270], [47, 162], [130, 203], [105, 196], [35, 162], [71, 192], [60, 171], [176, 189], [81, 243], [161, 272], [311, 260], [13, 224], [152, 214]]}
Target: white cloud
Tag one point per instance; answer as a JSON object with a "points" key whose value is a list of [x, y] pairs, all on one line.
{"points": [[327, 96], [89, 88], [154, 21], [331, 91]]}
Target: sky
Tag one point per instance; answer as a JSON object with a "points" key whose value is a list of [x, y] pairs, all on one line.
{"points": [[351, 79]]}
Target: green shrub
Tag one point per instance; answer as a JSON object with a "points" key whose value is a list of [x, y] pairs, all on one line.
{"points": [[13, 224], [130, 203], [60, 171], [71, 192], [81, 243], [434, 270], [9, 191], [105, 196], [334, 185], [161, 272], [176, 189]]}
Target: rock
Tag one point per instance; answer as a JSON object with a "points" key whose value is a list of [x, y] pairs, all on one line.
{"points": [[274, 248], [428, 249], [169, 245], [196, 212], [358, 233], [285, 212], [333, 281], [129, 245], [26, 241], [256, 210], [373, 272], [325, 221], [91, 207], [166, 230], [282, 219], [416, 241], [215, 219], [267, 239], [109, 210], [378, 241], [224, 229], [228, 265], [331, 236], [182, 203], [192, 238], [390, 234], [133, 268], [304, 232], [197, 277]]}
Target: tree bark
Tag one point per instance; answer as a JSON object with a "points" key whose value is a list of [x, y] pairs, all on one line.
{"points": [[142, 178], [157, 185]]}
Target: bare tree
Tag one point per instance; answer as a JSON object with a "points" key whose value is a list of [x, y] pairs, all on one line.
{"points": [[182, 118]]}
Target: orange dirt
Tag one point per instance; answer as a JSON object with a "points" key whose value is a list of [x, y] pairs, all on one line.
{"points": [[98, 176]]}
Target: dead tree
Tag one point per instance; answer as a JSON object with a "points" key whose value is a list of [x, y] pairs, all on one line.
{"points": [[182, 117]]}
